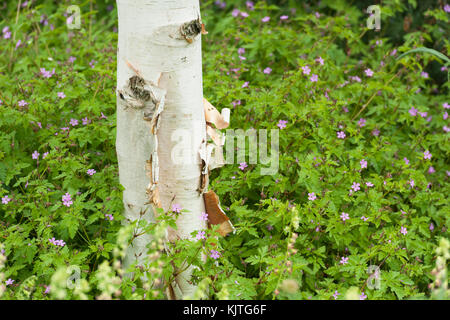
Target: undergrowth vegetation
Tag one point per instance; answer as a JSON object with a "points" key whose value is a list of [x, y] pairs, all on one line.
{"points": [[357, 209]]}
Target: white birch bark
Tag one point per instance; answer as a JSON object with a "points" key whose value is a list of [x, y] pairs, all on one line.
{"points": [[149, 39]]}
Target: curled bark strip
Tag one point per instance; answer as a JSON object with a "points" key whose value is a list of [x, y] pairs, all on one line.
{"points": [[216, 215], [212, 115], [191, 29], [214, 135]]}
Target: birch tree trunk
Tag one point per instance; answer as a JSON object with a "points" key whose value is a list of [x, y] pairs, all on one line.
{"points": [[159, 101]]}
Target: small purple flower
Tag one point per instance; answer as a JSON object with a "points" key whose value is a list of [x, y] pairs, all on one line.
{"points": [[364, 218], [7, 35], [427, 155], [403, 230], [284, 17], [6, 199], [9, 282], [431, 226], [406, 160], [73, 122], [245, 85], [204, 216], [85, 121], [341, 135], [424, 74], [200, 235], [431, 170], [244, 14], [61, 95], [235, 12], [369, 184], [368, 72], [336, 294], [344, 260], [241, 51], [320, 60], [312, 196], [362, 122], [345, 216], [44, 155], [446, 105], [22, 103], [355, 186], [176, 208], [103, 116], [67, 200], [413, 111], [265, 19], [375, 132], [447, 8], [72, 59], [363, 296], [411, 183], [47, 289], [35, 155], [91, 172], [243, 165], [314, 78], [267, 70], [363, 164], [306, 70], [282, 124], [215, 254]]}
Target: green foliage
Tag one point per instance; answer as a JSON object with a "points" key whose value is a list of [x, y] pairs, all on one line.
{"points": [[289, 243]]}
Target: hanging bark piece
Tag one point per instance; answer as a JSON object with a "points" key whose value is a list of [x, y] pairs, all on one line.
{"points": [[205, 155], [204, 29], [216, 216], [212, 115], [191, 29]]}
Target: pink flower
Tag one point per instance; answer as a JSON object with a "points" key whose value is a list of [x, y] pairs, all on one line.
{"points": [[61, 95], [345, 216], [244, 14], [243, 165], [364, 218], [314, 78], [341, 135], [22, 103], [176, 208], [265, 19], [245, 85], [73, 122], [320, 60], [282, 124], [362, 122], [406, 160], [306, 70], [284, 17], [368, 72], [235, 12], [413, 111], [215, 254], [403, 230], [204, 216], [411, 182], [344, 260], [363, 164], [424, 74], [369, 184], [431, 226], [72, 59], [200, 235], [67, 200], [446, 105], [7, 35], [447, 8], [85, 121], [91, 172], [375, 132], [5, 200], [312, 196], [355, 186], [363, 296], [241, 51], [267, 70], [427, 155], [9, 282], [431, 170], [335, 294], [35, 155]]}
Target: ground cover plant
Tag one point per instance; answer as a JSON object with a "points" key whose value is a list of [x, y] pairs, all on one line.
{"points": [[357, 210]]}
